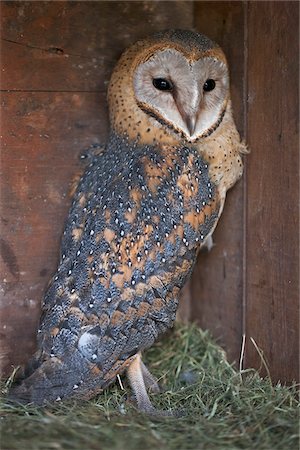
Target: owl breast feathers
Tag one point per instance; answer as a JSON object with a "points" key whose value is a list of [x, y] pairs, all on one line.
{"points": [[139, 216]]}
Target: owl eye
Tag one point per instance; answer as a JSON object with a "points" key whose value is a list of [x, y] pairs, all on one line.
{"points": [[162, 84], [209, 85]]}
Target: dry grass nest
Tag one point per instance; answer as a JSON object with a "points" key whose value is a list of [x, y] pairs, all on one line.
{"points": [[224, 408]]}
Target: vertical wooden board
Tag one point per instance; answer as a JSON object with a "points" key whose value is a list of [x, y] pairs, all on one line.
{"points": [[71, 46], [272, 275], [217, 281], [43, 135]]}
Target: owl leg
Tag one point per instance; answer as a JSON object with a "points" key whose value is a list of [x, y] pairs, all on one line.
{"points": [[149, 380], [137, 382]]}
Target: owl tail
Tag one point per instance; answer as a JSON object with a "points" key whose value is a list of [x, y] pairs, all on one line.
{"points": [[56, 379]]}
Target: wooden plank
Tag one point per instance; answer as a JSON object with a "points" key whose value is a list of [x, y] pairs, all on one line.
{"points": [[43, 135], [272, 276], [216, 285], [73, 46]]}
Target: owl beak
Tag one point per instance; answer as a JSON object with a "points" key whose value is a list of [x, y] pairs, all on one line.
{"points": [[191, 123], [189, 116]]}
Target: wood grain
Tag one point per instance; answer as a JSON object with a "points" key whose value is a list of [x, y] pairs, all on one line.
{"points": [[272, 257], [217, 284], [73, 46]]}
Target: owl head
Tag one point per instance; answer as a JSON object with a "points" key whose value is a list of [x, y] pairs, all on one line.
{"points": [[172, 86]]}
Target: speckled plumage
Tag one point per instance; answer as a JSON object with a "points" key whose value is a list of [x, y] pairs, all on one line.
{"points": [[139, 215]]}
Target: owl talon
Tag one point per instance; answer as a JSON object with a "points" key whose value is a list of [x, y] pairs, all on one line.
{"points": [[139, 377], [149, 380], [160, 414]]}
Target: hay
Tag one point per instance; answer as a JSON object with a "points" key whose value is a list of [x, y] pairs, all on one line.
{"points": [[224, 409]]}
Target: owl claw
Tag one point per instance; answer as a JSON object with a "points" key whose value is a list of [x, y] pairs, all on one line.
{"points": [[160, 414], [140, 378], [149, 380]]}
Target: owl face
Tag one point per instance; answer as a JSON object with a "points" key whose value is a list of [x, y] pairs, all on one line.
{"points": [[187, 96], [173, 84]]}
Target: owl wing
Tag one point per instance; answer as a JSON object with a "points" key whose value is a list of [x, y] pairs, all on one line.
{"points": [[137, 220]]}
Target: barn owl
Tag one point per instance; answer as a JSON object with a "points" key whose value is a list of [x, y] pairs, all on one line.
{"points": [[139, 216]]}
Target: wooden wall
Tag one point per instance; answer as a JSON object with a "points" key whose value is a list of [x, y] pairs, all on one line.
{"points": [[56, 61]]}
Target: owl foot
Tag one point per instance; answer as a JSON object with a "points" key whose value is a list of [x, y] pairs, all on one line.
{"points": [[149, 380], [139, 378]]}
